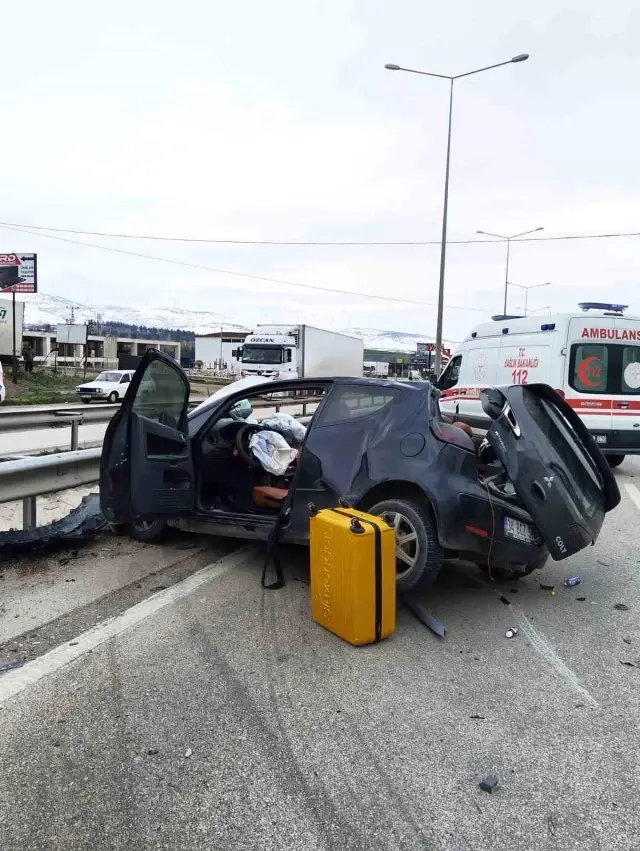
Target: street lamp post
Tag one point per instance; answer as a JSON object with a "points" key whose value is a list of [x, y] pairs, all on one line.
{"points": [[443, 248], [508, 239], [526, 288]]}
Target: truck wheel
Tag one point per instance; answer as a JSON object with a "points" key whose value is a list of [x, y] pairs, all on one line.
{"points": [[419, 555], [112, 397], [614, 460], [148, 531]]}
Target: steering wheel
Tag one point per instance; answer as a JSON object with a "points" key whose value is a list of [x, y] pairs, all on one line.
{"points": [[243, 435]]}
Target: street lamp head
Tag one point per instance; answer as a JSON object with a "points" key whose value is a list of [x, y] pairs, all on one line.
{"points": [[521, 57], [391, 67]]}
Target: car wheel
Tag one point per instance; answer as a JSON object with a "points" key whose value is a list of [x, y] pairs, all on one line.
{"points": [[419, 555], [85, 401], [112, 397], [614, 460], [149, 531]]}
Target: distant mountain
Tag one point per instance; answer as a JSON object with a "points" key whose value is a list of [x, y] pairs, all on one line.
{"points": [[45, 309]]}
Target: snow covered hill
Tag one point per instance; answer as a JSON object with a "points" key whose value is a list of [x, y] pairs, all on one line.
{"points": [[42, 308]]}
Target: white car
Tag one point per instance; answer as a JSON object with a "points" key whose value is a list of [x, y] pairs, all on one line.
{"points": [[109, 386]]}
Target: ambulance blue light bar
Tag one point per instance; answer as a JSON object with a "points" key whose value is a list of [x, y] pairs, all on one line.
{"points": [[601, 305]]}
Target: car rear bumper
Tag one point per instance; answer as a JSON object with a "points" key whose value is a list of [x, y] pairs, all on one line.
{"points": [[617, 441], [476, 530]]}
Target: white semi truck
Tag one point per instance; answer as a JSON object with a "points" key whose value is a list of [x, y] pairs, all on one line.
{"points": [[299, 351]]}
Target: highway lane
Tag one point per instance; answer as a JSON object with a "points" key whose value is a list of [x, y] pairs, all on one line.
{"points": [[227, 719]]}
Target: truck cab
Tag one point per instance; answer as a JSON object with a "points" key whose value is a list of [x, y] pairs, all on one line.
{"points": [[269, 354]]}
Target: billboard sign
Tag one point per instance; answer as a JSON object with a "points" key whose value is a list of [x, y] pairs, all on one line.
{"points": [[19, 273], [75, 334]]}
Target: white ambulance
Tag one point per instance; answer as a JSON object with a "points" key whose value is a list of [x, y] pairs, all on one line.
{"points": [[591, 357]]}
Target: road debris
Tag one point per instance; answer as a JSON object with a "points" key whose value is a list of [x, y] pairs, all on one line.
{"points": [[511, 632], [630, 664], [551, 825], [603, 563], [153, 751], [627, 640], [423, 616], [551, 588], [188, 753], [189, 546], [477, 717], [504, 600], [581, 599], [10, 666], [621, 607], [489, 783], [572, 581]]}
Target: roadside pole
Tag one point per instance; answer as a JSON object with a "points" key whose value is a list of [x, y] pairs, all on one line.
{"points": [[14, 365]]}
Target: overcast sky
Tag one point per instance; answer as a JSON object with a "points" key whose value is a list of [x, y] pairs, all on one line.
{"points": [[277, 120]]}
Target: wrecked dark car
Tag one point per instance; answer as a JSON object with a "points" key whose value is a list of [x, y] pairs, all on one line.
{"points": [[537, 485]]}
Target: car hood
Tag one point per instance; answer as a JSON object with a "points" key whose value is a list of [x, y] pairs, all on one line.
{"points": [[234, 387], [556, 468]]}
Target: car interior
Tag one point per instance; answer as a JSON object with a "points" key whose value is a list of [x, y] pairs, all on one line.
{"points": [[229, 476]]}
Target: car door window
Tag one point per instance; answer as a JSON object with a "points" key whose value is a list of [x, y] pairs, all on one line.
{"points": [[125, 379], [450, 376], [350, 403], [162, 395]]}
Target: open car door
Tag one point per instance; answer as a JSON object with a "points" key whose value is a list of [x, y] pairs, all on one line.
{"points": [[146, 469], [562, 478]]}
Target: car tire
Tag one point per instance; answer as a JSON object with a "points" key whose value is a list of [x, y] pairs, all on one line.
{"points": [[614, 460], [148, 531], [427, 554], [85, 401], [113, 397]]}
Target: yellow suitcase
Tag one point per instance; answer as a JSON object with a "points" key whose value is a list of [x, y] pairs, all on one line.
{"points": [[353, 574]]}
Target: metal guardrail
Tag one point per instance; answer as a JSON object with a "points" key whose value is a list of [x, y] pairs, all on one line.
{"points": [[30, 420], [28, 478]]}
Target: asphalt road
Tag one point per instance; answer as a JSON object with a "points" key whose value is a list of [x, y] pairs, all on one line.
{"points": [[213, 715]]}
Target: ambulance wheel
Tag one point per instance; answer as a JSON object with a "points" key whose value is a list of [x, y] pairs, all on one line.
{"points": [[419, 555], [614, 460], [148, 531]]}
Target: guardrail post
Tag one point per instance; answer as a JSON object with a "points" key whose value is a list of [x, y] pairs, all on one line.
{"points": [[304, 409], [75, 430], [29, 519]]}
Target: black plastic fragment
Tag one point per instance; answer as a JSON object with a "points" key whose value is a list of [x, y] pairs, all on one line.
{"points": [[78, 527], [489, 783]]}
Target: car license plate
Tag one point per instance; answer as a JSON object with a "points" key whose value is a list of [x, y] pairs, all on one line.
{"points": [[600, 438], [519, 531]]}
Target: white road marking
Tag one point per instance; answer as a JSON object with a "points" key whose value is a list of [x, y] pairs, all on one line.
{"points": [[634, 493], [13, 682], [542, 646]]}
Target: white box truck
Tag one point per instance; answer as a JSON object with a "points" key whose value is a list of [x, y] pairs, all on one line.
{"points": [[299, 351], [375, 369], [6, 327]]}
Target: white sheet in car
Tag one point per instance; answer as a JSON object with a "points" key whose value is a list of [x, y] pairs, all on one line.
{"points": [[272, 451]]}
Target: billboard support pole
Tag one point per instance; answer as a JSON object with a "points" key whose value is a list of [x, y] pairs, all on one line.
{"points": [[14, 363]]}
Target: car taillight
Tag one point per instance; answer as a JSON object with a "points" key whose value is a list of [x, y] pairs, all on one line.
{"points": [[582, 536], [452, 434]]}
